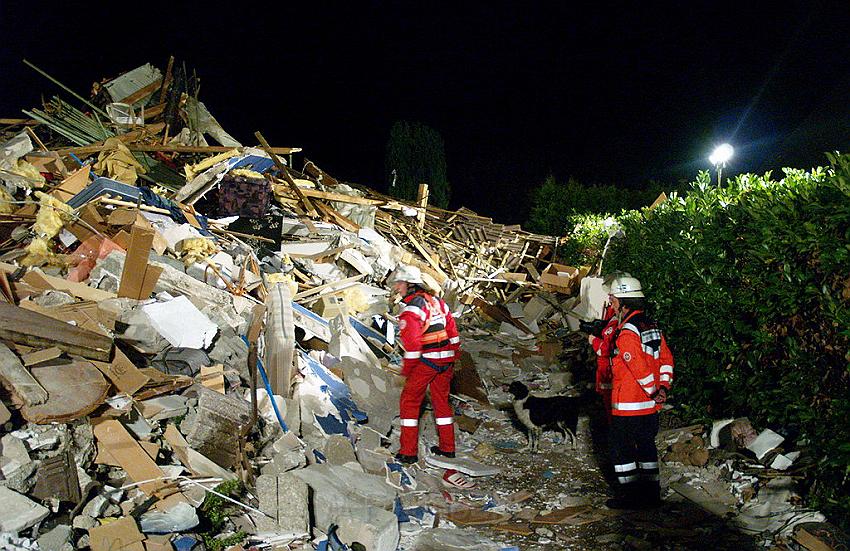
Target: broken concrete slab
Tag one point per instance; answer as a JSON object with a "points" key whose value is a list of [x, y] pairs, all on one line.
{"points": [[15, 464], [220, 422], [19, 512], [338, 450], [163, 407], [448, 539], [284, 498], [56, 539], [375, 390], [195, 462], [344, 497]]}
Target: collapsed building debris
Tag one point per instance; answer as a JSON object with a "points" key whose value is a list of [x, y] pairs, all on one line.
{"points": [[170, 379]]}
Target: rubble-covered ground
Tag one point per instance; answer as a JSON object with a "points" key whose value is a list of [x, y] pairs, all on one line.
{"points": [[169, 382]]}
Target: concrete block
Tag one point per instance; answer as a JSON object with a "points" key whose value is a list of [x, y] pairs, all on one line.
{"points": [[286, 498], [55, 539], [220, 419], [338, 450], [19, 512], [361, 504]]}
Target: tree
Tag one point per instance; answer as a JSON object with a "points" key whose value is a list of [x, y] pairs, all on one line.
{"points": [[416, 155]]}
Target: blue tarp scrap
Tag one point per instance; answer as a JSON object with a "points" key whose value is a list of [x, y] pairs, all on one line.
{"points": [[399, 511]]}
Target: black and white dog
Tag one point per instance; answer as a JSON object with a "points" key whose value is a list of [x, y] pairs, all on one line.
{"points": [[538, 413]]}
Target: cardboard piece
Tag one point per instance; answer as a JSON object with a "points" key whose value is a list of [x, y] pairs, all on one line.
{"points": [[123, 373], [138, 278], [103, 456], [121, 534], [127, 452], [475, 517], [558, 516], [559, 278], [212, 377], [72, 185]]}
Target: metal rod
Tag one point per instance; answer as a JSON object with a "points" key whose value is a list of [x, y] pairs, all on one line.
{"points": [[56, 82]]}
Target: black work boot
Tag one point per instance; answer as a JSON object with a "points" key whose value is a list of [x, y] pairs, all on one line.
{"points": [[625, 498], [650, 494], [406, 459], [437, 451]]}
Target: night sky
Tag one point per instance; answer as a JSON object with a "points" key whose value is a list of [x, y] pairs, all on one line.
{"points": [[608, 94]]}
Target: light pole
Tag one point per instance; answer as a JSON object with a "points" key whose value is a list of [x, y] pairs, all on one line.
{"points": [[719, 157]]}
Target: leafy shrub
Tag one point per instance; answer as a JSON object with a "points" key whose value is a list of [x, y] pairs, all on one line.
{"points": [[751, 284]]}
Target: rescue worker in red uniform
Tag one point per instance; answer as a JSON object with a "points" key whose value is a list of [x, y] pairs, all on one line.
{"points": [[430, 340], [641, 374], [601, 342]]}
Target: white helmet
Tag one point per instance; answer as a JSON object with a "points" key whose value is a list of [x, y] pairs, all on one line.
{"points": [[625, 286], [408, 273]]}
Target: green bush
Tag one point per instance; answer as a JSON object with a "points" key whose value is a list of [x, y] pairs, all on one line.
{"points": [[555, 206], [751, 284]]}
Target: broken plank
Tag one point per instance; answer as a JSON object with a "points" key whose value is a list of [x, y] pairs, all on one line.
{"points": [[33, 329], [332, 284], [41, 356], [341, 198], [20, 379], [423, 252]]}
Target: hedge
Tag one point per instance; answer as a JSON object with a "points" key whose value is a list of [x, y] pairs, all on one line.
{"points": [[751, 285]]}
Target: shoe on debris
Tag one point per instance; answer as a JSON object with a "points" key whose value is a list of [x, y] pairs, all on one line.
{"points": [[437, 451], [454, 479], [406, 459]]}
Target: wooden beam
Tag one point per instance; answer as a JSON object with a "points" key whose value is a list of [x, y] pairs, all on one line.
{"points": [[322, 287], [311, 211], [334, 217], [422, 202], [142, 93], [423, 252], [33, 329], [340, 197], [166, 82]]}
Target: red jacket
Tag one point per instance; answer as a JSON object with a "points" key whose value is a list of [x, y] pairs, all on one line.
{"points": [[427, 331], [602, 346], [640, 363]]}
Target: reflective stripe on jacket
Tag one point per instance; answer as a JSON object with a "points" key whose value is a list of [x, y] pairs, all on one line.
{"points": [[427, 330], [633, 372]]}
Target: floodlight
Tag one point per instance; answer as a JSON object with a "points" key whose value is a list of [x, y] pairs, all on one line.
{"points": [[721, 154]]}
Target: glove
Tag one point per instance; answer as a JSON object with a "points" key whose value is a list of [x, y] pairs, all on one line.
{"points": [[660, 395]]}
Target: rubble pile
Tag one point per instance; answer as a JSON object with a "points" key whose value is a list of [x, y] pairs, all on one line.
{"points": [[170, 382], [166, 377]]}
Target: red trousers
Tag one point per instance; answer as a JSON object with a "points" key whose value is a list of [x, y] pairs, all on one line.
{"points": [[420, 378]]}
